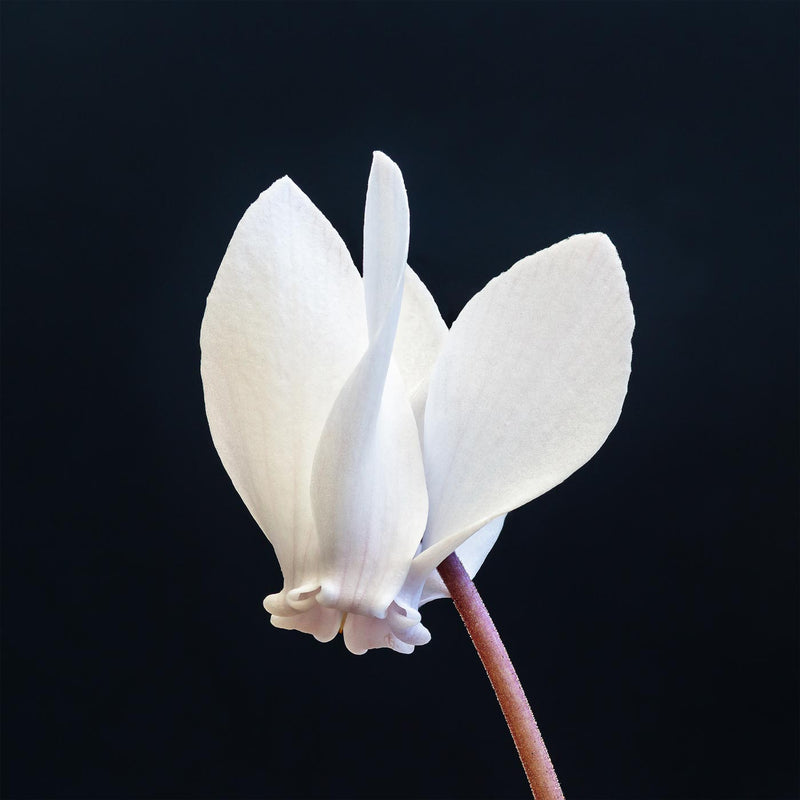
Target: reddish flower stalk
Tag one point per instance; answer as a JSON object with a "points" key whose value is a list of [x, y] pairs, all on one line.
{"points": [[519, 717]]}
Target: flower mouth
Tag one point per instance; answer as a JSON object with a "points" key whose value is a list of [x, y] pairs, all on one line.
{"points": [[331, 594], [397, 625]]}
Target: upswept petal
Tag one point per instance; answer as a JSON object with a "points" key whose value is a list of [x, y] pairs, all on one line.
{"points": [[529, 384], [420, 337], [284, 327], [368, 483], [386, 229]]}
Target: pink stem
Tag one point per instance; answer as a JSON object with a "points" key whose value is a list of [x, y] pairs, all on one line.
{"points": [[519, 717]]}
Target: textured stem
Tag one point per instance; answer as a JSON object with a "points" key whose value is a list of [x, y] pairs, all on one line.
{"points": [[519, 717]]}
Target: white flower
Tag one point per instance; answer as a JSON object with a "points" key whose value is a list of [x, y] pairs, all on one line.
{"points": [[367, 440]]}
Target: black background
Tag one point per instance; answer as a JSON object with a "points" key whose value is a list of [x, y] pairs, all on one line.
{"points": [[650, 602]]}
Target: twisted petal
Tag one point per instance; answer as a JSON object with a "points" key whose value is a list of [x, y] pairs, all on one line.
{"points": [[368, 483], [284, 327], [529, 384]]}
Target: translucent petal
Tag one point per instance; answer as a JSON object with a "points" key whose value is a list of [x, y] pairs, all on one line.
{"points": [[368, 483], [529, 384], [284, 327], [472, 553]]}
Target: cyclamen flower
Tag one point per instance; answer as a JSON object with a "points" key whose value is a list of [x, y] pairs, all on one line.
{"points": [[369, 441]]}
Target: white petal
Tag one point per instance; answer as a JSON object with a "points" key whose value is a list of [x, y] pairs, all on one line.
{"points": [[385, 239], [529, 384], [368, 483], [284, 327], [420, 337]]}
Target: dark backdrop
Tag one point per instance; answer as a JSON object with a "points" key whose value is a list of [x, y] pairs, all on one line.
{"points": [[650, 602]]}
